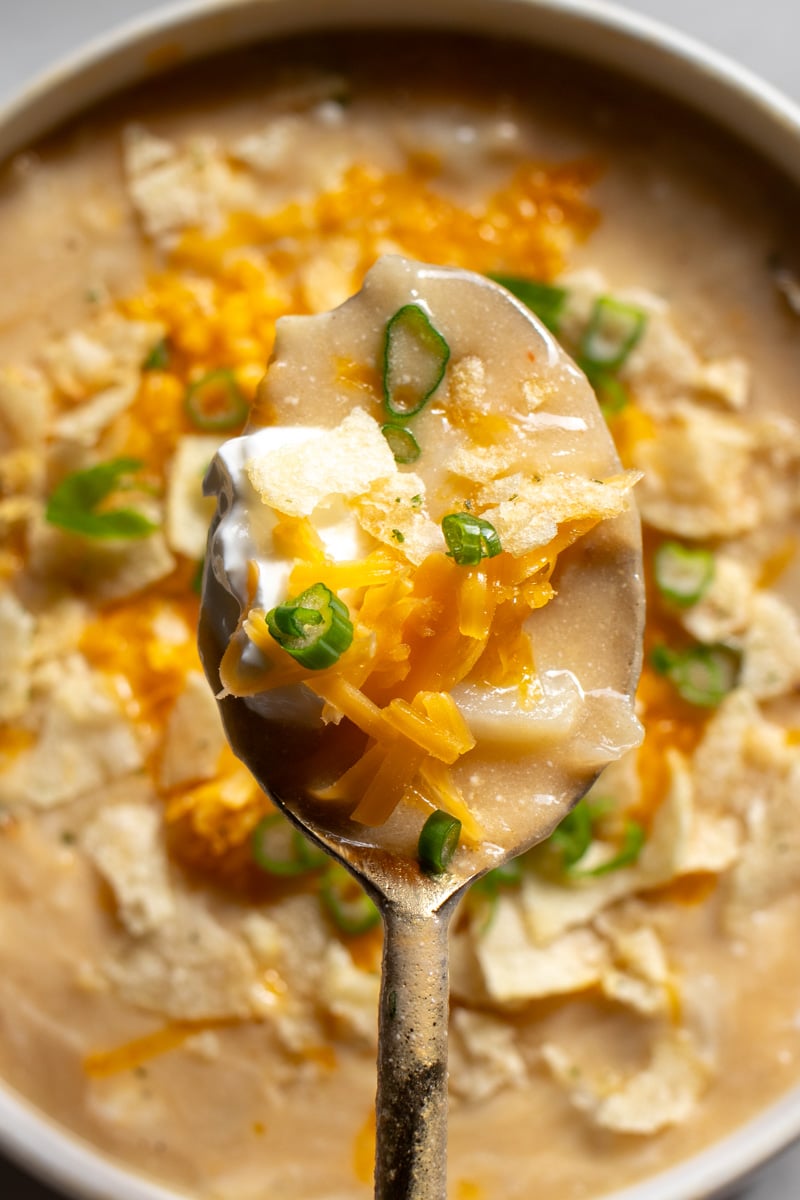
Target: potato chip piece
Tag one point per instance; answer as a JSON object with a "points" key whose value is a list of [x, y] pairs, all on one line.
{"points": [[188, 511], [770, 648], [175, 188], [193, 739], [665, 1093], [709, 474], [725, 379], [350, 994], [724, 609], [515, 970], [191, 968], [639, 975], [84, 423], [105, 353], [393, 511], [344, 461], [101, 569], [482, 464], [125, 842], [527, 512], [484, 1056], [16, 647], [25, 403], [466, 387], [84, 741]]}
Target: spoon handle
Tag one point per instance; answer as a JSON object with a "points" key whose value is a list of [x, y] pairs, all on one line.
{"points": [[411, 1110]]}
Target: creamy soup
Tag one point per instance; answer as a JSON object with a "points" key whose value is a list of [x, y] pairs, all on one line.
{"points": [[626, 993]]}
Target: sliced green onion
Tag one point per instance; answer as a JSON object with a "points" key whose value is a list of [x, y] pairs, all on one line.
{"points": [[438, 841], [571, 840], [280, 849], [308, 853], [415, 356], [632, 843], [612, 395], [74, 503], [216, 402], [470, 538], [683, 574], [614, 329], [158, 358], [702, 675], [315, 627], [347, 903], [507, 875], [573, 836], [487, 889], [545, 300], [402, 443]]}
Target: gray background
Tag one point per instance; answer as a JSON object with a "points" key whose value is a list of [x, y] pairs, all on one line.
{"points": [[764, 36]]}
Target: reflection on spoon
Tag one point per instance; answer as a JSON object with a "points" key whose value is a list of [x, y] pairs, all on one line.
{"points": [[422, 615]]}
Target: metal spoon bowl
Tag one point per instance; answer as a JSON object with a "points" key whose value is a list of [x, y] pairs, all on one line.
{"points": [[416, 908]]}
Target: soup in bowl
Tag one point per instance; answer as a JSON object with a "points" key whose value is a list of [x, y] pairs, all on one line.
{"points": [[199, 1004]]}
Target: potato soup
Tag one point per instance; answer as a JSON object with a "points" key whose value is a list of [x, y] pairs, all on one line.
{"points": [[623, 994]]}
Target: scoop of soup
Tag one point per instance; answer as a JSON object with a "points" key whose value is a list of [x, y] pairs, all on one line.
{"points": [[437, 468]]}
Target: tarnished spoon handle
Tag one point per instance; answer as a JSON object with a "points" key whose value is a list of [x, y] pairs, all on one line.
{"points": [[411, 1152]]}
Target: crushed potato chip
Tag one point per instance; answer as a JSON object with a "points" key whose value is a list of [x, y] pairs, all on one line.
{"points": [[527, 512], [345, 461], [665, 1093]]}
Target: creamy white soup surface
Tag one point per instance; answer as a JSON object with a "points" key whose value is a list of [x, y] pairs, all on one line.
{"points": [[627, 992]]}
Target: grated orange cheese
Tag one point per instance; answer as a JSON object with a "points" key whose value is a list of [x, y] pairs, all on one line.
{"points": [[415, 723], [437, 788], [395, 774]]}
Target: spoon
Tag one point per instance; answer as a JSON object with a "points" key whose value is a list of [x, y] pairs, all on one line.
{"points": [[591, 633]]}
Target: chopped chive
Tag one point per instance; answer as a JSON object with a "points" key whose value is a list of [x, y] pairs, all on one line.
{"points": [[545, 300], [683, 574], [507, 875], [702, 675], [614, 329], [572, 837], [280, 849], [402, 443], [347, 903], [308, 853], [158, 358], [216, 402], [415, 357], [438, 842], [612, 395], [315, 627], [470, 538], [486, 890], [398, 535], [632, 843], [75, 503]]}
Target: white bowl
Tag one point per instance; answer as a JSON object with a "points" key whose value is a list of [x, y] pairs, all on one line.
{"points": [[591, 29]]}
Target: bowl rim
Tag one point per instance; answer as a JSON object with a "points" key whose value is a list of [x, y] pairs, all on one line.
{"points": [[622, 40]]}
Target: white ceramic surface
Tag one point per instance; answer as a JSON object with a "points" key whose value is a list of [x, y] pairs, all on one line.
{"points": [[615, 37]]}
